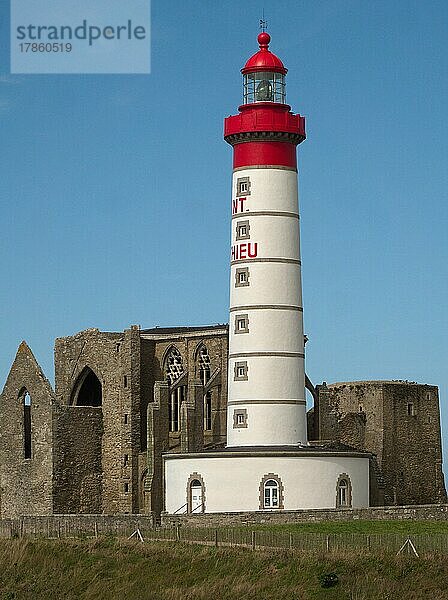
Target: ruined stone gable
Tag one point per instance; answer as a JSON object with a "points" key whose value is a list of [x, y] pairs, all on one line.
{"points": [[26, 439]]}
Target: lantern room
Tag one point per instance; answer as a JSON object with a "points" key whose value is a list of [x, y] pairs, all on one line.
{"points": [[264, 75]]}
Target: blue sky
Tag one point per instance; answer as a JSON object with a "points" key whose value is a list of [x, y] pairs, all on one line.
{"points": [[115, 189]]}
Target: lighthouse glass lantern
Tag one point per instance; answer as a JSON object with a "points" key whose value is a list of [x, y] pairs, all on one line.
{"points": [[264, 86], [264, 75]]}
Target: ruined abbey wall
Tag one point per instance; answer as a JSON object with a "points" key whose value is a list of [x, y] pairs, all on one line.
{"points": [[95, 444]]}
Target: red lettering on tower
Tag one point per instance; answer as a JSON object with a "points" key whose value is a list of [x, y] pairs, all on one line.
{"points": [[238, 205], [244, 251], [252, 249]]}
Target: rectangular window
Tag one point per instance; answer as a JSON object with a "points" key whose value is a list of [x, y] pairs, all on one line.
{"points": [[208, 411], [242, 277], [240, 371], [125, 460], [243, 186], [241, 324], [126, 487], [242, 230], [125, 419], [125, 381], [240, 418], [411, 411]]}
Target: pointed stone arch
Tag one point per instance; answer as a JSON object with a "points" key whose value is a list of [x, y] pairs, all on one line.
{"points": [[88, 390], [202, 363], [172, 364]]}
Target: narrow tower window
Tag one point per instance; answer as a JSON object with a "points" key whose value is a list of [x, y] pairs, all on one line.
{"points": [[243, 186], [208, 411], [27, 425], [242, 277], [240, 418], [240, 371], [242, 324], [242, 230]]}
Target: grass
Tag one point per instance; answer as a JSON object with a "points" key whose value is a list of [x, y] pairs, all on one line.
{"points": [[367, 527], [109, 569]]}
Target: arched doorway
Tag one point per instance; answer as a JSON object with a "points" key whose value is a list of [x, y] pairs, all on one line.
{"points": [[195, 494]]}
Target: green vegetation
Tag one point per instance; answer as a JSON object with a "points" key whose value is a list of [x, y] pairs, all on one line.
{"points": [[406, 527], [109, 569]]}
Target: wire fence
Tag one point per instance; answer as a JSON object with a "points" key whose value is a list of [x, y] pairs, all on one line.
{"points": [[309, 542], [142, 528]]}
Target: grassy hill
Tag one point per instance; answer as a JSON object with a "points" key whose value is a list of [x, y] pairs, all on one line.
{"points": [[110, 569]]}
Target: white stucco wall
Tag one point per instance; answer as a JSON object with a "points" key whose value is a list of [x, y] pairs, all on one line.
{"points": [[274, 394], [232, 484]]}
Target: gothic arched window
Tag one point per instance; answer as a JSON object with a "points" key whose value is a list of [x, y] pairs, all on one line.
{"points": [[26, 399], [88, 390], [173, 365], [173, 370], [204, 371]]}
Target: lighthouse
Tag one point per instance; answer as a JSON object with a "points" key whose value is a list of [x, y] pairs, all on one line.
{"points": [[267, 464], [266, 377]]}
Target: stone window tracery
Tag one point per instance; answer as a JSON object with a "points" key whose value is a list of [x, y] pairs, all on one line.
{"points": [[173, 371], [173, 365], [204, 368]]}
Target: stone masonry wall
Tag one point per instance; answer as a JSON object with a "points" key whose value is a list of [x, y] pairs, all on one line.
{"points": [[373, 416], [26, 483], [384, 513], [115, 359], [412, 455], [78, 476]]}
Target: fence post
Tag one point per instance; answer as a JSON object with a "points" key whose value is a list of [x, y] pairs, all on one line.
{"points": [[328, 543], [96, 529], [368, 543], [177, 533], [253, 540], [216, 537]]}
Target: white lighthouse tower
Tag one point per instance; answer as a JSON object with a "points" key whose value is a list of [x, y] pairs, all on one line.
{"points": [[267, 464], [266, 385]]}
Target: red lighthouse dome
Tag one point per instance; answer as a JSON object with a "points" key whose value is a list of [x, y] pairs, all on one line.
{"points": [[264, 59], [265, 132]]}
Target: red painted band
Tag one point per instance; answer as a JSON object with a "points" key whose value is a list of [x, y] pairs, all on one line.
{"points": [[249, 154]]}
